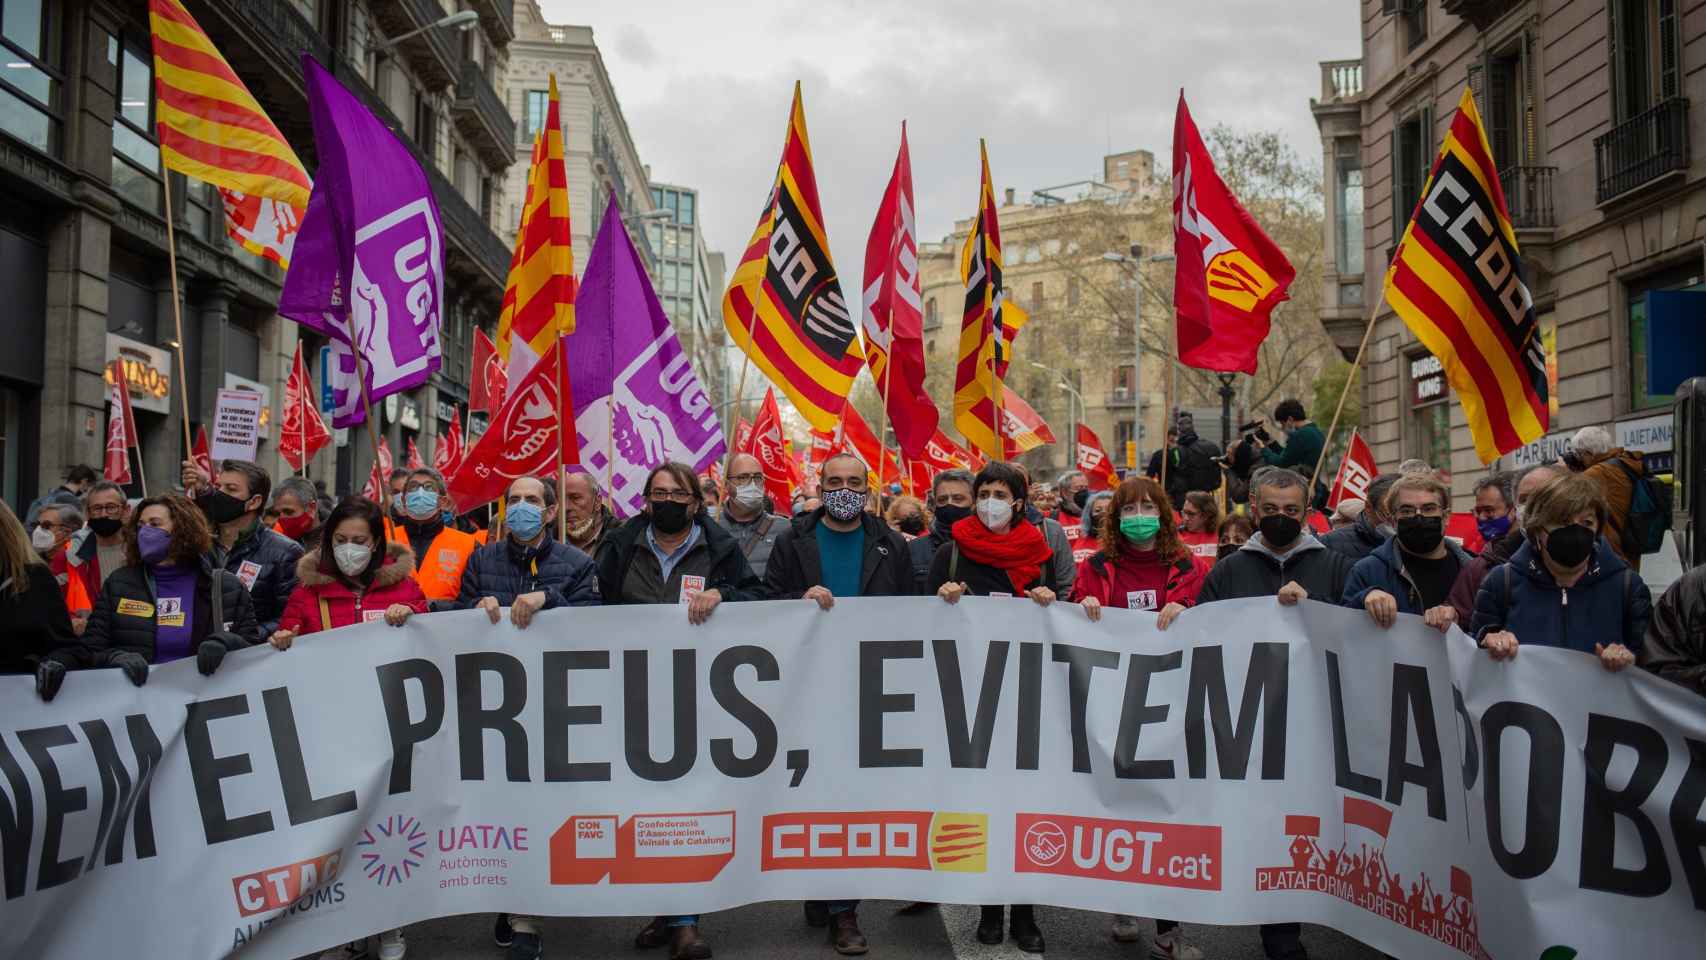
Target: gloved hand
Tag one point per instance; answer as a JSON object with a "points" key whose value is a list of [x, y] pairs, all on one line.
{"points": [[212, 651], [135, 668], [49, 675]]}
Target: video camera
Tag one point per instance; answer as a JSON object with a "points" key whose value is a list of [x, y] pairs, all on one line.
{"points": [[1254, 432]]}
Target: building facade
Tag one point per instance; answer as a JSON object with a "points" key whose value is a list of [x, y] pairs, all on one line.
{"points": [[691, 294], [83, 258], [1587, 109]]}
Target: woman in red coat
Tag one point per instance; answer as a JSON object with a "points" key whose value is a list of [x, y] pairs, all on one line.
{"points": [[354, 576]]}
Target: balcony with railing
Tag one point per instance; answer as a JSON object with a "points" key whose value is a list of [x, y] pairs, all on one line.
{"points": [[498, 19], [1528, 196], [1340, 80], [480, 115], [434, 54], [1642, 150]]}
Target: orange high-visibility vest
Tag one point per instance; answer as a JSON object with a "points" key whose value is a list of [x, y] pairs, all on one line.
{"points": [[439, 573], [77, 599]]}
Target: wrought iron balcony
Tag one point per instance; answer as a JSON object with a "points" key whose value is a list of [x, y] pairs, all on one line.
{"points": [[498, 19], [1481, 13], [434, 52], [481, 117], [1642, 149], [1528, 195]]}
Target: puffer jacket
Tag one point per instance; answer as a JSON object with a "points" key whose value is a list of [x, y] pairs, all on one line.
{"points": [[1676, 639], [1469, 579], [1384, 570], [265, 562], [1609, 604], [506, 570], [922, 551], [1618, 486], [796, 565], [1111, 581], [731, 576], [1355, 541], [111, 631], [393, 582], [1254, 570]]}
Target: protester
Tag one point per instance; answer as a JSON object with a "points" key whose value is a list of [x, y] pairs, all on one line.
{"points": [[950, 502], [1045, 498], [713, 495], [353, 576], [1416, 466], [78, 479], [1234, 532], [839, 551], [1414, 570], [1087, 535], [1200, 524], [1565, 586], [1345, 514], [264, 561], [37, 625], [746, 515], [589, 517], [1169, 450], [1615, 470], [1675, 646], [168, 602], [297, 505], [998, 553], [1371, 529], [906, 514], [94, 556], [54, 526], [1497, 550], [439, 552], [1072, 491], [1195, 463]]}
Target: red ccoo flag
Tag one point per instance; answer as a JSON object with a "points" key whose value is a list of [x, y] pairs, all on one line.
{"points": [[1023, 429], [301, 432], [413, 461], [521, 442], [856, 436], [447, 450], [379, 476], [198, 453], [1227, 275], [894, 318], [487, 375], [121, 426], [1356, 471], [767, 445], [1093, 460], [939, 454], [743, 436]]}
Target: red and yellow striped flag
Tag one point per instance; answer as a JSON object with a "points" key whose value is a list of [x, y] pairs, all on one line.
{"points": [[1457, 281], [539, 299], [213, 129], [986, 330], [784, 305]]}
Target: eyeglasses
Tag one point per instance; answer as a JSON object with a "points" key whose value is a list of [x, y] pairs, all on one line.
{"points": [[740, 478], [426, 485], [48, 525], [1408, 511], [107, 510], [673, 496]]}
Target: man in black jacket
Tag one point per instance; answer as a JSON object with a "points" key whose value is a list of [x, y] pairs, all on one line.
{"points": [[262, 560], [1676, 637], [950, 502], [1372, 528], [839, 550]]}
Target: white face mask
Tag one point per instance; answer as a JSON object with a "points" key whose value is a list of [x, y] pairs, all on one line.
{"points": [[994, 513], [42, 539], [352, 558], [749, 495]]}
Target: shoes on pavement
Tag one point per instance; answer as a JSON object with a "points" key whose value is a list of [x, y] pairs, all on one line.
{"points": [[1027, 936], [844, 934], [655, 934], [502, 933], [1172, 946], [356, 950], [526, 946], [992, 926], [1126, 929], [685, 944], [817, 913], [392, 945], [916, 907]]}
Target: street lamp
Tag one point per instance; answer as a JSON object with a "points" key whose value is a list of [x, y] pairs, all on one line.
{"points": [[1136, 260], [462, 20], [1075, 403]]}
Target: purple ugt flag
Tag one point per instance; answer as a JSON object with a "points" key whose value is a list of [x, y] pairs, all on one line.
{"points": [[370, 255], [634, 388]]}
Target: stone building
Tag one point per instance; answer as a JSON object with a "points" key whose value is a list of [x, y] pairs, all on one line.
{"points": [[1587, 109], [83, 260], [691, 294]]}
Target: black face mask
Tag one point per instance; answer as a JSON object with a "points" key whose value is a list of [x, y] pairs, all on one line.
{"points": [[1569, 546], [912, 523], [105, 526], [1080, 498], [1280, 530], [947, 516], [220, 507], [669, 517], [1420, 535], [1226, 550]]}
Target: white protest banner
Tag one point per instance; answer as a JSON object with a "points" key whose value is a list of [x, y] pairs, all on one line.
{"points": [[236, 426], [1251, 764]]}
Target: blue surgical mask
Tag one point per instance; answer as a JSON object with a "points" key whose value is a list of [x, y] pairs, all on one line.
{"points": [[449, 518], [524, 520], [421, 503]]}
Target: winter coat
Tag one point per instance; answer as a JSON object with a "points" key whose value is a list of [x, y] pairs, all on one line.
{"points": [[1355, 541], [1618, 488], [1254, 570], [1111, 580], [393, 582], [1675, 647], [1609, 604], [112, 631], [923, 552], [730, 575], [265, 562], [504, 570], [1469, 579], [1301, 451], [80, 559], [1191, 465], [796, 566], [756, 539], [36, 622], [1384, 570], [982, 580], [1064, 568]]}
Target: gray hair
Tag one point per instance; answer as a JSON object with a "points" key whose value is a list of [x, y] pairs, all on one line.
{"points": [[437, 478], [1278, 478], [1414, 465], [1501, 482], [1087, 525], [301, 489], [70, 514], [956, 475], [1065, 479], [1592, 441]]}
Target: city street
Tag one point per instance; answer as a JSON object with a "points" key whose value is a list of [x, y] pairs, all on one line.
{"points": [[777, 931]]}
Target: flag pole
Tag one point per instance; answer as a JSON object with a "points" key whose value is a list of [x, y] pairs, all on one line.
{"points": [[1350, 378], [883, 401], [384, 483], [177, 314], [1167, 410], [301, 409], [563, 423]]}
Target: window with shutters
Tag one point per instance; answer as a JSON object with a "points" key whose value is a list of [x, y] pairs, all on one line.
{"points": [[1412, 22], [1412, 154], [1646, 55]]}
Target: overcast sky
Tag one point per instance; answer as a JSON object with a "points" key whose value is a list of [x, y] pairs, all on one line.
{"points": [[705, 88]]}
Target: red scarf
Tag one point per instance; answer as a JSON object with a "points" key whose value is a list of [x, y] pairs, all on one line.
{"points": [[1020, 552]]}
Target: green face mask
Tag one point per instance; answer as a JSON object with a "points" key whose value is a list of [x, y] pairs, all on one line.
{"points": [[1140, 529]]}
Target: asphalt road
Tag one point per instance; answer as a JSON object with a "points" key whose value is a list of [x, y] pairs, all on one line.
{"points": [[777, 931]]}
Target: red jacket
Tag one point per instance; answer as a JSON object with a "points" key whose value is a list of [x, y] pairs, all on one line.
{"points": [[1110, 581], [394, 583]]}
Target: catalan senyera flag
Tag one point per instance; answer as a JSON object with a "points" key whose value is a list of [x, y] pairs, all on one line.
{"points": [[539, 298], [784, 305], [213, 129], [1023, 428], [986, 329], [1457, 281]]}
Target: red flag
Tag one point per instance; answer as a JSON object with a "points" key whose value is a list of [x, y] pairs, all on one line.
{"points": [[1461, 884], [380, 476], [301, 424], [856, 435], [1022, 428], [447, 450], [413, 461], [121, 428], [1297, 825], [939, 454], [1368, 815], [1356, 470], [521, 442], [487, 375], [743, 436], [1093, 460], [198, 453], [894, 318], [767, 446], [1228, 275]]}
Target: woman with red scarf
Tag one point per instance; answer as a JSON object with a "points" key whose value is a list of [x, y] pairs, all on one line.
{"points": [[996, 552]]}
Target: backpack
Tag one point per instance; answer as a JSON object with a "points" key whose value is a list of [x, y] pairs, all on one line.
{"points": [[1649, 512]]}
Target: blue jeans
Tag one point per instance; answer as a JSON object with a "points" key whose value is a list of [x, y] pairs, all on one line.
{"points": [[685, 920]]}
